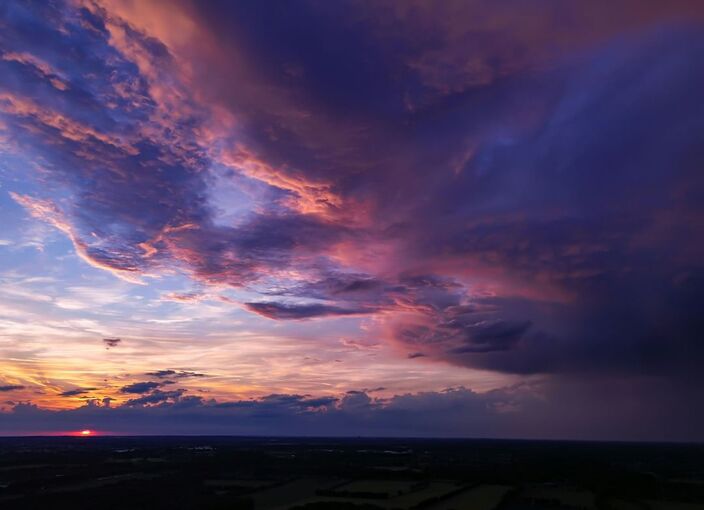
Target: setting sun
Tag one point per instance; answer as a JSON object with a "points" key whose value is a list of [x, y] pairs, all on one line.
{"points": [[86, 432]]}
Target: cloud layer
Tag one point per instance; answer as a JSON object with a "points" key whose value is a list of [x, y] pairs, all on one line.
{"points": [[520, 411]]}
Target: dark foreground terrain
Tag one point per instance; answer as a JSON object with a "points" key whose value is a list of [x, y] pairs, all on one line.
{"points": [[268, 474]]}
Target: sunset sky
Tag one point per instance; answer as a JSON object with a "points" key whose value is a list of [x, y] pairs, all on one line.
{"points": [[409, 218]]}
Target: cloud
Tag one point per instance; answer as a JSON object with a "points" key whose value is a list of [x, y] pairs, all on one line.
{"points": [[115, 262], [140, 387], [360, 345], [183, 297], [577, 410], [11, 387], [162, 373], [180, 374], [154, 398], [112, 342], [76, 392], [287, 311]]}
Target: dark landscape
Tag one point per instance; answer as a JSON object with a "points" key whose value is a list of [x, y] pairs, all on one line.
{"points": [[289, 473]]}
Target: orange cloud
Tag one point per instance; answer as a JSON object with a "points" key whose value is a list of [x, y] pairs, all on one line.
{"points": [[42, 67], [68, 128]]}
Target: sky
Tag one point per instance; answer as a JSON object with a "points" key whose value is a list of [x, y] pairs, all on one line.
{"points": [[370, 218]]}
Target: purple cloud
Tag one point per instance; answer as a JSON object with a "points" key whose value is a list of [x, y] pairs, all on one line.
{"points": [[575, 410], [176, 374], [154, 398], [76, 392], [140, 387], [287, 311], [11, 387]]}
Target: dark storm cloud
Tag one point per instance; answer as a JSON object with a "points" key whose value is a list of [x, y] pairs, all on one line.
{"points": [[607, 218], [593, 209], [493, 336]]}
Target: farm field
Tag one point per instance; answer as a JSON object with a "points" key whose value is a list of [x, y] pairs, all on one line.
{"points": [[284, 496], [674, 505], [239, 484], [389, 488], [408, 500], [484, 497], [566, 496]]}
